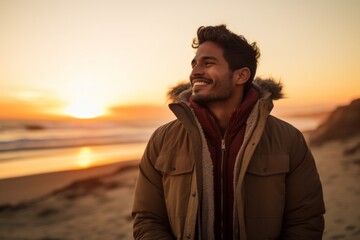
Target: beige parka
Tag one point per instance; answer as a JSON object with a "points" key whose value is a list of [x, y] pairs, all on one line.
{"points": [[278, 194]]}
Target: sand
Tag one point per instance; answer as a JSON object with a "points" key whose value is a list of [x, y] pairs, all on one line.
{"points": [[92, 208], [340, 176], [76, 206], [20, 189]]}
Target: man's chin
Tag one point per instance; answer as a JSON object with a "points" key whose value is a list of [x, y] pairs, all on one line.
{"points": [[198, 98]]}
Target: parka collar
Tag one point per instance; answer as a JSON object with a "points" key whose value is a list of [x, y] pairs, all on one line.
{"points": [[267, 88]]}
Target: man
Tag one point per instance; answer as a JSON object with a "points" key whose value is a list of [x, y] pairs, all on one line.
{"points": [[226, 168]]}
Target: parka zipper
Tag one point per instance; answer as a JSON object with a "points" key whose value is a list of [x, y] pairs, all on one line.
{"points": [[223, 149]]}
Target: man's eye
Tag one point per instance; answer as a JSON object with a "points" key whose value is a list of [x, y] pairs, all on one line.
{"points": [[208, 64]]}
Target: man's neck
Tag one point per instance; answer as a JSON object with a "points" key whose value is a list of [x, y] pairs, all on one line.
{"points": [[223, 110]]}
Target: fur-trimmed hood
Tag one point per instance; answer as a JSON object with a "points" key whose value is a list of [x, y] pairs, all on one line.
{"points": [[182, 91]]}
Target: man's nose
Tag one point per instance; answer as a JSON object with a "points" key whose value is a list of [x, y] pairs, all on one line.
{"points": [[197, 70]]}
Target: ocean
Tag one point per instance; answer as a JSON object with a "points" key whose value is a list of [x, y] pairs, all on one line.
{"points": [[40, 146]]}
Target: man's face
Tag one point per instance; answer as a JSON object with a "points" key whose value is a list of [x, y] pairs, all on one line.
{"points": [[211, 78]]}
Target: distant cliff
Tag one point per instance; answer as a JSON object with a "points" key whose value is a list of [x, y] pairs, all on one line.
{"points": [[342, 123]]}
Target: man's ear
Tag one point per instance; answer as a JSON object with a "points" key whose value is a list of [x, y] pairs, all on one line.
{"points": [[241, 75]]}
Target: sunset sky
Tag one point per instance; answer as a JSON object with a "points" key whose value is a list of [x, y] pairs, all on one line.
{"points": [[86, 58]]}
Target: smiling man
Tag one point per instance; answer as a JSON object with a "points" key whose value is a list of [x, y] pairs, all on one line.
{"points": [[226, 168]]}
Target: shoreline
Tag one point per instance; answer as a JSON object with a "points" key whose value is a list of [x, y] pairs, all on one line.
{"points": [[16, 190], [63, 159]]}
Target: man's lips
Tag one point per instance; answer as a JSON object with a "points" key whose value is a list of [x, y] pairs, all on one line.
{"points": [[200, 82], [195, 84]]}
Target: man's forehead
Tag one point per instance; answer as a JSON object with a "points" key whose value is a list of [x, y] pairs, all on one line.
{"points": [[209, 50]]}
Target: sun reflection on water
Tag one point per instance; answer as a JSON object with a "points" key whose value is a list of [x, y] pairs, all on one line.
{"points": [[85, 157]]}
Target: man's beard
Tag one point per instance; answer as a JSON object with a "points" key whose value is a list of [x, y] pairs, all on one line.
{"points": [[211, 97], [215, 94]]}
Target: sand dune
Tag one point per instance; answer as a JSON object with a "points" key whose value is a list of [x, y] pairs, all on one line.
{"points": [[341, 124]]}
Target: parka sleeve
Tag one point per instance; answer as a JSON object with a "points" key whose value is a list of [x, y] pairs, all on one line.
{"points": [[304, 208], [149, 209]]}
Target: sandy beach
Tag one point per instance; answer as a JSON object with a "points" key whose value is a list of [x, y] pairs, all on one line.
{"points": [[339, 168], [96, 203]]}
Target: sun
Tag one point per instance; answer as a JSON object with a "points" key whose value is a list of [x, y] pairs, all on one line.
{"points": [[85, 109], [84, 95], [84, 98]]}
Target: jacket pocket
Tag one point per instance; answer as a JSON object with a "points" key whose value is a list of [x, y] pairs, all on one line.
{"points": [[176, 179], [267, 165], [265, 186], [173, 165]]}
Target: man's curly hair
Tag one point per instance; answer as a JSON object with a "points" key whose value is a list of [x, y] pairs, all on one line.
{"points": [[237, 51]]}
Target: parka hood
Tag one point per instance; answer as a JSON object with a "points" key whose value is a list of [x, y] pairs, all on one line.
{"points": [[182, 91]]}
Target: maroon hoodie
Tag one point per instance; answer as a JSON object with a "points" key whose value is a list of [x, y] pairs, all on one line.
{"points": [[223, 151]]}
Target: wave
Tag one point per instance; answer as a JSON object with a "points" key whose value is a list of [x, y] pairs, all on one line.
{"points": [[18, 136]]}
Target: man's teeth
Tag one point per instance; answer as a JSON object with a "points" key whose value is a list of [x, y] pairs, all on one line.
{"points": [[199, 83]]}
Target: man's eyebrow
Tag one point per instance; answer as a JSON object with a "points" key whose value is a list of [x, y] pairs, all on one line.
{"points": [[204, 58], [209, 58]]}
